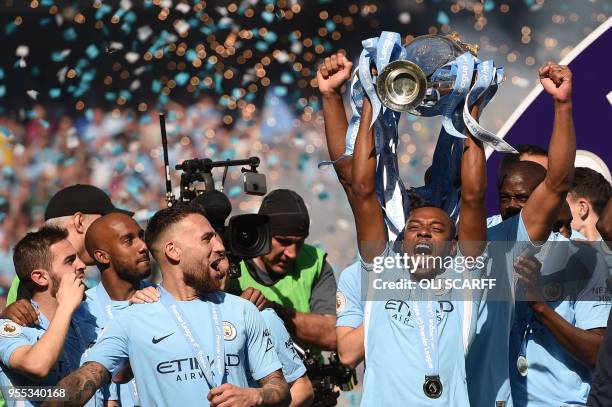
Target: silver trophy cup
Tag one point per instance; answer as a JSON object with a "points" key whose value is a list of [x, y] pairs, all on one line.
{"points": [[407, 85]]}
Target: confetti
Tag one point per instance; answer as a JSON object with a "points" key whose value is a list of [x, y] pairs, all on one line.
{"points": [[32, 93]]}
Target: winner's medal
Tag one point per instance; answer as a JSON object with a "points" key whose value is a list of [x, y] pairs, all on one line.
{"points": [[432, 387], [522, 365]]}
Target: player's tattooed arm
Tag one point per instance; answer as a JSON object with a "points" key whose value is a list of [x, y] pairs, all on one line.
{"points": [[275, 390], [81, 384]]}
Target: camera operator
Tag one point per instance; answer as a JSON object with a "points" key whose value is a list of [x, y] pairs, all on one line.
{"points": [[295, 277], [217, 207]]}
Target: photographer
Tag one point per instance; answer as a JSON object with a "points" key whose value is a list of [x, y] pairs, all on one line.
{"points": [[295, 277]]}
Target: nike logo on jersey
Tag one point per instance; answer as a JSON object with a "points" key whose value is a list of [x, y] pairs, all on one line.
{"points": [[158, 340]]}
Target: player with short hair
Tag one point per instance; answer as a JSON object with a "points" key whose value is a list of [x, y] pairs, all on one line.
{"points": [[193, 346], [47, 263], [587, 198]]}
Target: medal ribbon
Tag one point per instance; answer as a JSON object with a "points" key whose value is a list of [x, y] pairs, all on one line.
{"points": [[106, 314], [214, 377], [427, 332]]}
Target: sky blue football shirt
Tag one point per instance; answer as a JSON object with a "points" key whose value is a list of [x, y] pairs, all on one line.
{"points": [[164, 365]]}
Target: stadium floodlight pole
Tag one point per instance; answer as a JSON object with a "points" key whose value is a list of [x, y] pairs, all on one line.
{"points": [[170, 199]]}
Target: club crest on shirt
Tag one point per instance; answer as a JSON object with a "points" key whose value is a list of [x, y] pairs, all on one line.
{"points": [[340, 302], [229, 331], [9, 328]]}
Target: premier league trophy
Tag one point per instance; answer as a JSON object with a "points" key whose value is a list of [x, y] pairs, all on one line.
{"points": [[403, 85], [432, 75]]}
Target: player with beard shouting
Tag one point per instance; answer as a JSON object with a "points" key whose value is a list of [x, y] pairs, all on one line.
{"points": [[191, 347]]}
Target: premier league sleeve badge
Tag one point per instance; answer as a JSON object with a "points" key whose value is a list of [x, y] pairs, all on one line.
{"points": [[9, 329]]}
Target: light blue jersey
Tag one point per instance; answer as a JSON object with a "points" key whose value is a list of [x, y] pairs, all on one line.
{"points": [[164, 365], [396, 368], [487, 362], [103, 309], [555, 377], [81, 335], [293, 368], [349, 305]]}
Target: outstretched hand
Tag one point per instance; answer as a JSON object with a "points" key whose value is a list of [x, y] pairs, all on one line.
{"points": [[333, 73], [557, 81]]}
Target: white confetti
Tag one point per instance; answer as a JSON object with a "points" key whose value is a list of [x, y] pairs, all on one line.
{"points": [[296, 47], [282, 57], [404, 17], [609, 97], [181, 26], [32, 93], [144, 33], [183, 8], [166, 4], [132, 57], [125, 4], [22, 51], [61, 74], [115, 46], [135, 85], [138, 71]]}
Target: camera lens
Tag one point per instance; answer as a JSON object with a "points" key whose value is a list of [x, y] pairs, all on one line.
{"points": [[247, 238]]}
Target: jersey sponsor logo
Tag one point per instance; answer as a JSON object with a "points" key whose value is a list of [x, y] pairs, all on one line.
{"points": [[189, 368], [229, 331], [340, 302], [158, 340], [9, 329], [267, 337], [401, 314]]}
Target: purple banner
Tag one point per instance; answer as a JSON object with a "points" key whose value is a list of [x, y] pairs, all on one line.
{"points": [[592, 86]]}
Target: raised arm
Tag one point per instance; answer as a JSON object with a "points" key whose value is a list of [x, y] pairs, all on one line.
{"points": [[331, 75], [473, 212], [81, 384], [369, 221], [543, 206], [38, 360]]}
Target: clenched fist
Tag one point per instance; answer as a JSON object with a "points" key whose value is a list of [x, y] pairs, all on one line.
{"points": [[333, 73], [557, 81]]}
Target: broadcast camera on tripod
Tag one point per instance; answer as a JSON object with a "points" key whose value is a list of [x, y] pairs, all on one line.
{"points": [[245, 236]]}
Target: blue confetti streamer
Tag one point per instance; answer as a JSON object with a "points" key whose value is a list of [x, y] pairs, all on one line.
{"points": [[181, 78], [286, 78], [442, 18], [261, 46], [70, 34], [267, 16], [234, 192], [92, 51], [280, 91]]}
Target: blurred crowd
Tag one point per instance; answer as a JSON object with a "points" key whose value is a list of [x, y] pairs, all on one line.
{"points": [[120, 151]]}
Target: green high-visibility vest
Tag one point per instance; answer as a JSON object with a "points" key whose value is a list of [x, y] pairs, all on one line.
{"points": [[295, 288]]}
